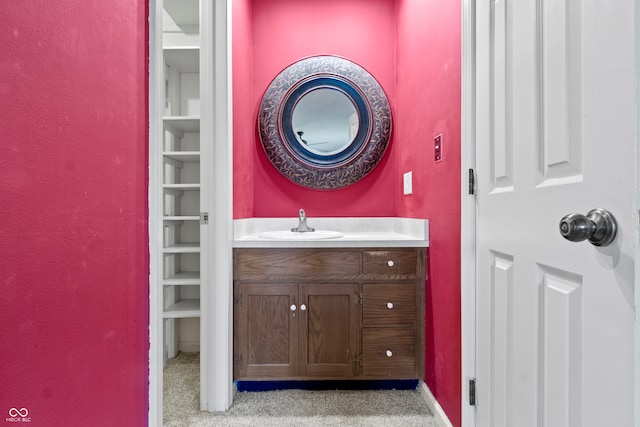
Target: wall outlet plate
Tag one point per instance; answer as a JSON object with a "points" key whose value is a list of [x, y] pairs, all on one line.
{"points": [[408, 183], [437, 148]]}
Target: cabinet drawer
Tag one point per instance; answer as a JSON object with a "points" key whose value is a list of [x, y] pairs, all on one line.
{"points": [[389, 262], [388, 352], [388, 304], [295, 262]]}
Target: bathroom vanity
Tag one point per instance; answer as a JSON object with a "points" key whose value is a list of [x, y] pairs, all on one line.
{"points": [[344, 308]]}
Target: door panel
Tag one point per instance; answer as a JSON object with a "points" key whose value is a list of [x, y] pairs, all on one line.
{"points": [[562, 347], [555, 135], [327, 317], [501, 330], [561, 91], [501, 143], [329, 329], [267, 330]]}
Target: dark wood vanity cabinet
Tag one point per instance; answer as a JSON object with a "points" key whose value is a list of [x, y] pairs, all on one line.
{"points": [[317, 313]]}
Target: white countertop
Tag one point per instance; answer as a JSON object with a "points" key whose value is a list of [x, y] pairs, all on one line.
{"points": [[357, 232]]}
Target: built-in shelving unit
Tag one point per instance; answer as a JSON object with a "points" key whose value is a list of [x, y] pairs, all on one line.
{"points": [[181, 184]]}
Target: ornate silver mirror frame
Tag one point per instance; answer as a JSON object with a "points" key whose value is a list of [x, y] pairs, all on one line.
{"points": [[294, 143]]}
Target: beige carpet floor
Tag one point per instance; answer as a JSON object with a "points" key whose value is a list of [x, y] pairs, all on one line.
{"points": [[288, 408]]}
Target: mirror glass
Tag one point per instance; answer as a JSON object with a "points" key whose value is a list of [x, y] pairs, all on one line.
{"points": [[325, 121]]}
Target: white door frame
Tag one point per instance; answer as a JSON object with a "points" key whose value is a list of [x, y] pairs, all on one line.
{"points": [[636, 290], [156, 89], [468, 213], [216, 295]]}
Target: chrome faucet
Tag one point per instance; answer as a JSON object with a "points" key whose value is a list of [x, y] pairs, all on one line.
{"points": [[302, 224]]}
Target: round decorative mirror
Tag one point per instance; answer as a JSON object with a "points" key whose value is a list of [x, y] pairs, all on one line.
{"points": [[324, 122]]}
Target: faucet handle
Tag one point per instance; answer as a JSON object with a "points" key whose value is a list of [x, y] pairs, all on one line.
{"points": [[302, 223]]}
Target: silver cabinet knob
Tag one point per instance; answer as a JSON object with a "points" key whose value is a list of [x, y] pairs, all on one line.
{"points": [[389, 353], [303, 307], [293, 307], [390, 263], [389, 305], [598, 226]]}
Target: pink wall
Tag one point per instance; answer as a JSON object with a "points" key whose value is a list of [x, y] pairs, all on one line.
{"points": [[283, 32], [429, 90], [244, 123], [73, 234]]}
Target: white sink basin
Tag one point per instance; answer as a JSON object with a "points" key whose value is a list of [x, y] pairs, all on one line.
{"points": [[294, 235]]}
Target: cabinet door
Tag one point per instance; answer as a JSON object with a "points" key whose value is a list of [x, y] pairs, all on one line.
{"points": [[329, 330], [266, 330]]}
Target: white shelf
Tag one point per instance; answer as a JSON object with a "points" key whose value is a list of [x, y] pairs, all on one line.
{"points": [[185, 59], [182, 309], [183, 156], [182, 248], [181, 218], [177, 188], [178, 124], [183, 278]]}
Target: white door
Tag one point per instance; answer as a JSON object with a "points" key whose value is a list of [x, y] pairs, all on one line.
{"points": [[555, 135]]}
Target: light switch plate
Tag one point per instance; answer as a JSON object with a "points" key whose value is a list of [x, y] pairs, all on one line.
{"points": [[408, 183]]}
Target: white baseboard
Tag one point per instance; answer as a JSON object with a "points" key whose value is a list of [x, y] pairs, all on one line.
{"points": [[434, 406], [189, 346]]}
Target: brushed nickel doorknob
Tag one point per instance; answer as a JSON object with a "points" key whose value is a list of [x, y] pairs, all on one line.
{"points": [[598, 226]]}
